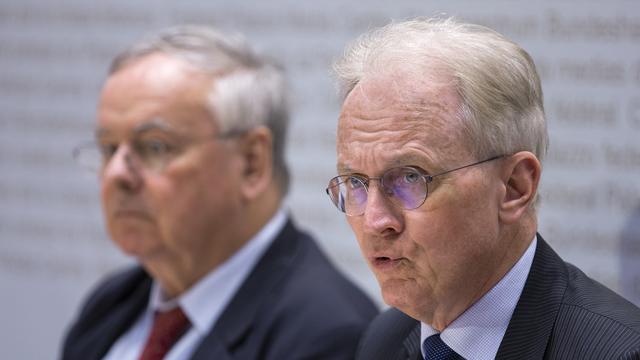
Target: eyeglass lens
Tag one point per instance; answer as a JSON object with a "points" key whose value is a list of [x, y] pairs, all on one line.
{"points": [[151, 154], [405, 186]]}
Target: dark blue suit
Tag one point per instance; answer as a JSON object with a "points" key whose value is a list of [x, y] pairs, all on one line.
{"points": [[293, 305], [561, 314]]}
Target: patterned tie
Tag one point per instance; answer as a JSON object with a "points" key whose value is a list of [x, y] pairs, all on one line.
{"points": [[435, 349], [168, 327]]}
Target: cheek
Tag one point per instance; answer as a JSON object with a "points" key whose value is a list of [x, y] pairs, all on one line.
{"points": [[176, 202], [454, 233], [458, 244], [464, 209], [451, 229], [192, 201]]}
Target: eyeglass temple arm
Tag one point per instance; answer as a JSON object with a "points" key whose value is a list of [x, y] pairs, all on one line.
{"points": [[430, 177]]}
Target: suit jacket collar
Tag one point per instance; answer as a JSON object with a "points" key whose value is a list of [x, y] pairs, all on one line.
{"points": [[237, 319], [411, 345], [106, 323], [533, 318]]}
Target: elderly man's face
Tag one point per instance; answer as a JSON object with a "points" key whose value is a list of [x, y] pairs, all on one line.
{"points": [[438, 258], [178, 212]]}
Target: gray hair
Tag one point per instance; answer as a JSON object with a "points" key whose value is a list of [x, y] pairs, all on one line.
{"points": [[501, 98], [249, 90]]}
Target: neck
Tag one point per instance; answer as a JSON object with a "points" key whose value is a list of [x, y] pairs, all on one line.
{"points": [[260, 211]]}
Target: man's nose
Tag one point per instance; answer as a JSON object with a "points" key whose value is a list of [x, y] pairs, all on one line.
{"points": [[381, 216], [122, 169]]}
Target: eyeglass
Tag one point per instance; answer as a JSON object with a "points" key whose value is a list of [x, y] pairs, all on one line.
{"points": [[405, 186], [151, 154]]}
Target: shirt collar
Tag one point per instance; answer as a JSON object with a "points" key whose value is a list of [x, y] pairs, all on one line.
{"points": [[204, 302], [478, 332]]}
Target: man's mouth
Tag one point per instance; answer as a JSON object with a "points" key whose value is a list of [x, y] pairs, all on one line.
{"points": [[385, 263], [131, 213]]}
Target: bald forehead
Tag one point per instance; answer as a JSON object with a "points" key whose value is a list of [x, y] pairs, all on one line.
{"points": [[414, 103], [156, 86], [398, 116], [164, 74]]}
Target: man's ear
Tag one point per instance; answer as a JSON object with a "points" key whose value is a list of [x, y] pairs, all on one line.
{"points": [[256, 149], [521, 175]]}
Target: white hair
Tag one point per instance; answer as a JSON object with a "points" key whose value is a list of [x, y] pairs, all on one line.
{"points": [[249, 90], [501, 98]]}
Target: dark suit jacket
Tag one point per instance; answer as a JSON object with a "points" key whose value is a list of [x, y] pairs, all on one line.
{"points": [[561, 314], [293, 305]]}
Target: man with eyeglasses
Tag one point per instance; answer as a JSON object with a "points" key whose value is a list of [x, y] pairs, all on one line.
{"points": [[190, 154], [440, 142]]}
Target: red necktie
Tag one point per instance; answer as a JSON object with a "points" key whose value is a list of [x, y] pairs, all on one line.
{"points": [[168, 327]]}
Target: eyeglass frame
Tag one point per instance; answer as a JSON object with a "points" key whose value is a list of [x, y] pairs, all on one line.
{"points": [[365, 180], [95, 145]]}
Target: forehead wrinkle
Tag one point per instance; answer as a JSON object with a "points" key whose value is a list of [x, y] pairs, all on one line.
{"points": [[410, 153], [439, 117], [422, 117], [423, 160], [416, 126], [387, 121], [406, 109]]}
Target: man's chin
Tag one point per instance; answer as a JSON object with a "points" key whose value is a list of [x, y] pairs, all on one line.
{"points": [[400, 293], [134, 243], [393, 292]]}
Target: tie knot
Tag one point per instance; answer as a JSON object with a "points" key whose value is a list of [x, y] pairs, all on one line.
{"points": [[171, 320], [435, 349], [168, 327]]}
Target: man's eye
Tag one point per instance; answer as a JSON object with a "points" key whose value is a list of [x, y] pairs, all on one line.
{"points": [[411, 177], [354, 182], [154, 148]]}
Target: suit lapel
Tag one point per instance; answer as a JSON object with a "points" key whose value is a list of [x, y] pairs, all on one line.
{"points": [[533, 318], [112, 318], [411, 346], [235, 322], [212, 348]]}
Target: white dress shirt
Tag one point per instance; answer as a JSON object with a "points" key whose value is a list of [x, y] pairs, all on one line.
{"points": [[203, 303], [478, 332]]}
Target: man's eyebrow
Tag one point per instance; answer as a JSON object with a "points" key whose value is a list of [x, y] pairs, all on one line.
{"points": [[344, 169], [409, 160], [153, 124], [420, 161]]}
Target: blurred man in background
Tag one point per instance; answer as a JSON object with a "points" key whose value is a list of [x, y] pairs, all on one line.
{"points": [[440, 142], [190, 151]]}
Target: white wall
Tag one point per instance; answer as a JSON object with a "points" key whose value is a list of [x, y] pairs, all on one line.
{"points": [[53, 58]]}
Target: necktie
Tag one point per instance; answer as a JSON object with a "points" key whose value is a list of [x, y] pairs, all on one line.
{"points": [[167, 328], [435, 349]]}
